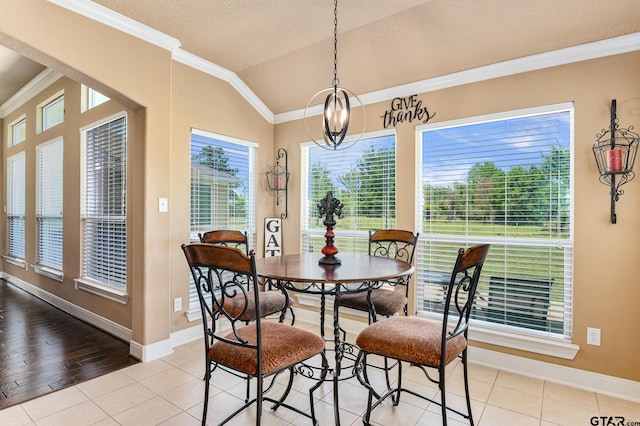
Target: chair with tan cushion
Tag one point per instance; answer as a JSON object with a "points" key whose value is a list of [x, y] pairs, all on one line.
{"points": [[272, 302], [263, 349], [423, 343], [392, 299]]}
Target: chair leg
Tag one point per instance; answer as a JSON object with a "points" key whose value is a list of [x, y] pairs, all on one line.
{"points": [[259, 398], [386, 372], [207, 378], [293, 315], [286, 391], [248, 393], [443, 402], [466, 385], [323, 376], [396, 398]]}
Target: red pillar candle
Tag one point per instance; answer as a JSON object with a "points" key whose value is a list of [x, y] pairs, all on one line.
{"points": [[614, 160]]}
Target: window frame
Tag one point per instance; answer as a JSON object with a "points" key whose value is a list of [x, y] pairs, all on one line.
{"points": [[224, 142], [111, 290], [91, 98], [49, 194], [509, 336], [43, 112], [349, 240], [14, 139], [16, 201]]}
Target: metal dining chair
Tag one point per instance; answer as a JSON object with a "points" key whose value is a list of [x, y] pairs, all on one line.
{"points": [[423, 343], [271, 302], [227, 281], [393, 297]]}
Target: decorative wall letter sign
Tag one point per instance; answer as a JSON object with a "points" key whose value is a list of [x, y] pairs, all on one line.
{"points": [[272, 236], [406, 109]]}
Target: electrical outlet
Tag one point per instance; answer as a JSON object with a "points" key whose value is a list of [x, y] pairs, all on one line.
{"points": [[593, 336], [177, 304]]}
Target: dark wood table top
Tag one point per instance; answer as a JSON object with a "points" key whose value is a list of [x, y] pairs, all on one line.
{"points": [[355, 268]]}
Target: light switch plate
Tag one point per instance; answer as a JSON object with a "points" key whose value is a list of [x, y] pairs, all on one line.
{"points": [[163, 205]]}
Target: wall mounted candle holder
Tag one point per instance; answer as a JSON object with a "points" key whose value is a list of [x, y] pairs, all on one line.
{"points": [[278, 180], [615, 152]]}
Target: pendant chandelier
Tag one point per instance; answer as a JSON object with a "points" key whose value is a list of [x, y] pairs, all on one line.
{"points": [[337, 113]]}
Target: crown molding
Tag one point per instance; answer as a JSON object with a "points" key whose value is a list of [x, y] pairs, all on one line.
{"points": [[120, 22], [134, 28], [43, 80], [599, 49], [224, 74]]}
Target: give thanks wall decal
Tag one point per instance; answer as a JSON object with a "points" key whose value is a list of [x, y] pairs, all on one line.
{"points": [[406, 109]]}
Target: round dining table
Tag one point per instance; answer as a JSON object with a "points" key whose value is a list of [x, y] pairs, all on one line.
{"points": [[355, 273]]}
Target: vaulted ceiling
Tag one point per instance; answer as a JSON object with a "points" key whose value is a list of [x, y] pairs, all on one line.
{"points": [[283, 49]]}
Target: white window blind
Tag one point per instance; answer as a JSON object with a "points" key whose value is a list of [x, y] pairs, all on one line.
{"points": [[505, 180], [363, 178], [104, 213], [16, 205], [53, 113], [49, 204], [223, 188]]}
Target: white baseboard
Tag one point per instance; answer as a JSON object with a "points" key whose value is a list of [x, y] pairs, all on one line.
{"points": [[102, 323], [594, 382], [581, 379], [150, 352], [186, 336]]}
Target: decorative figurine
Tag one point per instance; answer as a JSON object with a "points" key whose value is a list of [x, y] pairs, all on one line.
{"points": [[329, 207]]}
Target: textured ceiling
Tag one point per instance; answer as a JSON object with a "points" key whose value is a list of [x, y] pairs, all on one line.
{"points": [[283, 49], [15, 72]]}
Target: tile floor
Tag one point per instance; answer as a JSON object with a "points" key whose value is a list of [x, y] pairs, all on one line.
{"points": [[169, 391]]}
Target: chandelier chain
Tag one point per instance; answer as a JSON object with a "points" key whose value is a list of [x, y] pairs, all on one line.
{"points": [[336, 82]]}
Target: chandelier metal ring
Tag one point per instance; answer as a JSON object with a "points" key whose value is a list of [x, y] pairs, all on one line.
{"points": [[317, 111]]}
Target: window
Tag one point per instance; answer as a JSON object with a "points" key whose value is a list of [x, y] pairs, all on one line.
{"points": [[15, 207], [91, 98], [95, 98], [53, 113], [49, 171], [18, 132], [223, 187], [504, 179], [363, 178], [104, 207]]}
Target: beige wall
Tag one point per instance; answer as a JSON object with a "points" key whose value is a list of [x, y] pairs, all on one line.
{"points": [[606, 287], [167, 99], [204, 103], [164, 101]]}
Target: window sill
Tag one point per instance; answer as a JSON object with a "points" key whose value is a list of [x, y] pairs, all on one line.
{"points": [[15, 261], [101, 290], [193, 315], [556, 347], [54, 274]]}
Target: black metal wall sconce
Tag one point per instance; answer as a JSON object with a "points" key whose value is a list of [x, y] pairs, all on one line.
{"points": [[615, 152], [278, 180]]}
